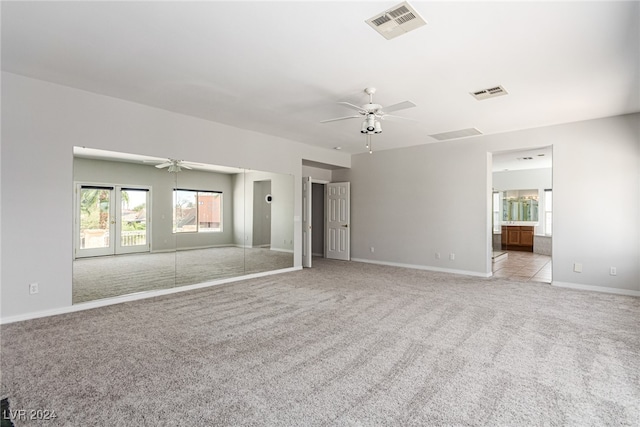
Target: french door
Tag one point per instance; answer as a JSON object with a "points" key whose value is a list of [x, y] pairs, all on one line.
{"points": [[111, 220]]}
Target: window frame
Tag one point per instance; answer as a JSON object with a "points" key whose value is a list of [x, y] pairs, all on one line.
{"points": [[197, 205], [548, 212]]}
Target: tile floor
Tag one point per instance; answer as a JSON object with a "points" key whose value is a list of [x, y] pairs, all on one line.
{"points": [[523, 266]]}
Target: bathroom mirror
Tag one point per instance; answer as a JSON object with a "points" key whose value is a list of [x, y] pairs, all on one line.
{"points": [[519, 206], [145, 223]]}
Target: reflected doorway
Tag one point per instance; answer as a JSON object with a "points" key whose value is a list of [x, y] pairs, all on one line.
{"points": [[262, 199]]}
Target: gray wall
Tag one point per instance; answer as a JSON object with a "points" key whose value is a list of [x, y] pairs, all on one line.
{"points": [[411, 203]]}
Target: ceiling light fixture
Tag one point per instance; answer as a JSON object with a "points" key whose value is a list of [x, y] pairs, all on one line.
{"points": [[371, 125]]}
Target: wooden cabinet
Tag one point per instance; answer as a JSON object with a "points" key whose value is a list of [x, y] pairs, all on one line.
{"points": [[517, 238]]}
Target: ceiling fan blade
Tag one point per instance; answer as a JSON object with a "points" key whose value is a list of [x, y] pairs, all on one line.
{"points": [[341, 118], [391, 116], [163, 165], [399, 106], [352, 106], [182, 165]]}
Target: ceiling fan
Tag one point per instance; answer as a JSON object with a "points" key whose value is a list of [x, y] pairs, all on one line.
{"points": [[372, 113], [174, 165]]}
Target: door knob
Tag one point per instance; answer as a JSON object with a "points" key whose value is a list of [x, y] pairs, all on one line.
{"points": [[346, 225]]}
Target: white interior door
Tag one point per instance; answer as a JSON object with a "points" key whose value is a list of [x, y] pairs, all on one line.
{"points": [[306, 221], [338, 242]]}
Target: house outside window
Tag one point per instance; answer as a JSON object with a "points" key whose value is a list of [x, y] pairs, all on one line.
{"points": [[197, 211]]}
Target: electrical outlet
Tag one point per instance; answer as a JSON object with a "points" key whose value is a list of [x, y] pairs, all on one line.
{"points": [[33, 288], [373, 249], [452, 256], [613, 271], [437, 255], [577, 267]]}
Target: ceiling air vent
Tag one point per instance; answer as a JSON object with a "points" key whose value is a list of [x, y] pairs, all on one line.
{"points": [[463, 133], [396, 21], [492, 92]]}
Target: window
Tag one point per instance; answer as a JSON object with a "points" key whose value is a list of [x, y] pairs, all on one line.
{"points": [[197, 211], [548, 207], [496, 212]]}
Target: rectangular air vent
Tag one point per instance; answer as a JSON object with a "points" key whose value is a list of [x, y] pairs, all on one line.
{"points": [[463, 133], [491, 92], [396, 21]]}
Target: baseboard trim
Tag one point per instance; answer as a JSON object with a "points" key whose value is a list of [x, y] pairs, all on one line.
{"points": [[424, 267], [191, 248], [137, 296], [289, 251], [604, 289]]}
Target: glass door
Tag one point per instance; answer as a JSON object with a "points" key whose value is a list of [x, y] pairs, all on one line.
{"points": [[111, 220], [94, 221], [133, 224]]}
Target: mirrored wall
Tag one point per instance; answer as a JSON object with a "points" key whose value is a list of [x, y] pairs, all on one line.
{"points": [[144, 223]]}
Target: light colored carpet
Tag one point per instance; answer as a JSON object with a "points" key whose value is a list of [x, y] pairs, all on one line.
{"points": [[110, 276], [343, 343]]}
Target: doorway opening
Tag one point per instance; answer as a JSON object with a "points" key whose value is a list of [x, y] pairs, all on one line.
{"points": [[325, 220], [262, 214], [317, 219], [522, 214]]}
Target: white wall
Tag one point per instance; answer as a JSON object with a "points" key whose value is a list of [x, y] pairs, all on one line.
{"points": [[41, 122], [316, 173], [411, 203], [523, 179]]}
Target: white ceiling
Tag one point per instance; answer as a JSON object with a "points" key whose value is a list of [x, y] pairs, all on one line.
{"points": [[280, 67]]}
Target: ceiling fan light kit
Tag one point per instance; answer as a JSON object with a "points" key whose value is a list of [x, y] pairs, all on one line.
{"points": [[371, 125]]}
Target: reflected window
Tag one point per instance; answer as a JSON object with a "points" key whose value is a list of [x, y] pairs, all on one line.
{"points": [[496, 212], [548, 209], [197, 211]]}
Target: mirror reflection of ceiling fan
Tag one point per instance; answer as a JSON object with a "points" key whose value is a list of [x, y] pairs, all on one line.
{"points": [[174, 165], [372, 114]]}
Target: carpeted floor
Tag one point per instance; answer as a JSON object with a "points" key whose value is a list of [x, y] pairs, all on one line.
{"points": [[110, 276], [343, 343]]}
